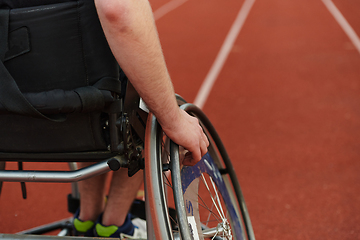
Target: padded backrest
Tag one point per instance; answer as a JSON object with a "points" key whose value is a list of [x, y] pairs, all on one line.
{"points": [[56, 46]]}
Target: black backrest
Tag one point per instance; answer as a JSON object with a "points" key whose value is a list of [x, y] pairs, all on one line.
{"points": [[58, 46]]}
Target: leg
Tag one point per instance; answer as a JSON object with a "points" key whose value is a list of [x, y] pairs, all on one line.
{"points": [[92, 196], [122, 193], [123, 190]]}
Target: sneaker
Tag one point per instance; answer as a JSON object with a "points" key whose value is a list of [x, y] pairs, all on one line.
{"points": [[131, 229], [80, 228]]}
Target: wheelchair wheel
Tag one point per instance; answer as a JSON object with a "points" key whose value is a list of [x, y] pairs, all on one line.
{"points": [[207, 197]]}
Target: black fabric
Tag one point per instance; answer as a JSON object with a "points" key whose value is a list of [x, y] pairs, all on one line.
{"points": [[18, 43], [110, 84], [4, 30], [58, 101], [56, 46], [68, 48], [80, 132], [10, 95], [28, 3], [14, 101], [91, 99]]}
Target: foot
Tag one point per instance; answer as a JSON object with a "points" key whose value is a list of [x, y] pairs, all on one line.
{"points": [[131, 229], [80, 228]]}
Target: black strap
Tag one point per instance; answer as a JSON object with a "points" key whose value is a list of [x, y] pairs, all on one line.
{"points": [[91, 98], [110, 84], [10, 95]]}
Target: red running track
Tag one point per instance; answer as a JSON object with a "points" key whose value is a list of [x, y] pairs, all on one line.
{"points": [[286, 104]]}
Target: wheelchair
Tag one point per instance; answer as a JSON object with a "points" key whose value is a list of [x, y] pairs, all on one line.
{"points": [[103, 120], [181, 201]]}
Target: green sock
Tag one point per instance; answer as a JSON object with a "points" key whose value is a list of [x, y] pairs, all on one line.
{"points": [[105, 231], [83, 226]]}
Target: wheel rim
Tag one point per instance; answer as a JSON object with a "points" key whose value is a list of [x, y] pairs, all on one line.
{"points": [[209, 200], [212, 210], [229, 221]]}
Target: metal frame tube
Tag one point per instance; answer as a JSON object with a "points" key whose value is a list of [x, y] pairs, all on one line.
{"points": [[61, 176], [40, 237], [61, 224]]}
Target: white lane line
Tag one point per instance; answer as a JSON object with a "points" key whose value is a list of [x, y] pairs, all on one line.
{"points": [[343, 23], [223, 54], [168, 7]]}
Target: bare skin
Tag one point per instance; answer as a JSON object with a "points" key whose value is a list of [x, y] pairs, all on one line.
{"points": [[132, 36]]}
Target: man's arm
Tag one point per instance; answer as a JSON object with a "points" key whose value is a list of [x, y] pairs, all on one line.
{"points": [[132, 36]]}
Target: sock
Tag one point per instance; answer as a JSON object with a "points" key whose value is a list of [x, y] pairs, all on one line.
{"points": [[114, 231]]}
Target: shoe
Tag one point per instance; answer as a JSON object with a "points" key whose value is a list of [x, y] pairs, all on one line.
{"points": [[131, 229], [80, 228]]}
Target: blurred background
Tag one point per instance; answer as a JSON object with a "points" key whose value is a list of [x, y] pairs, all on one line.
{"points": [[285, 100]]}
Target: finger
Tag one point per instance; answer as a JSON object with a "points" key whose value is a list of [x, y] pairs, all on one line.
{"points": [[188, 160], [204, 137], [203, 148], [196, 155], [206, 140]]}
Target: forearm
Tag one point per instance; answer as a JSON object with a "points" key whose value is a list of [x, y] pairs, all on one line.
{"points": [[132, 36]]}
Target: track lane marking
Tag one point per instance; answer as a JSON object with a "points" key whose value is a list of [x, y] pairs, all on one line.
{"points": [[343, 23], [223, 54], [168, 7]]}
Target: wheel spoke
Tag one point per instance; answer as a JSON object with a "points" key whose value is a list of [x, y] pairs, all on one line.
{"points": [[211, 212], [167, 183], [217, 196], [211, 196]]}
